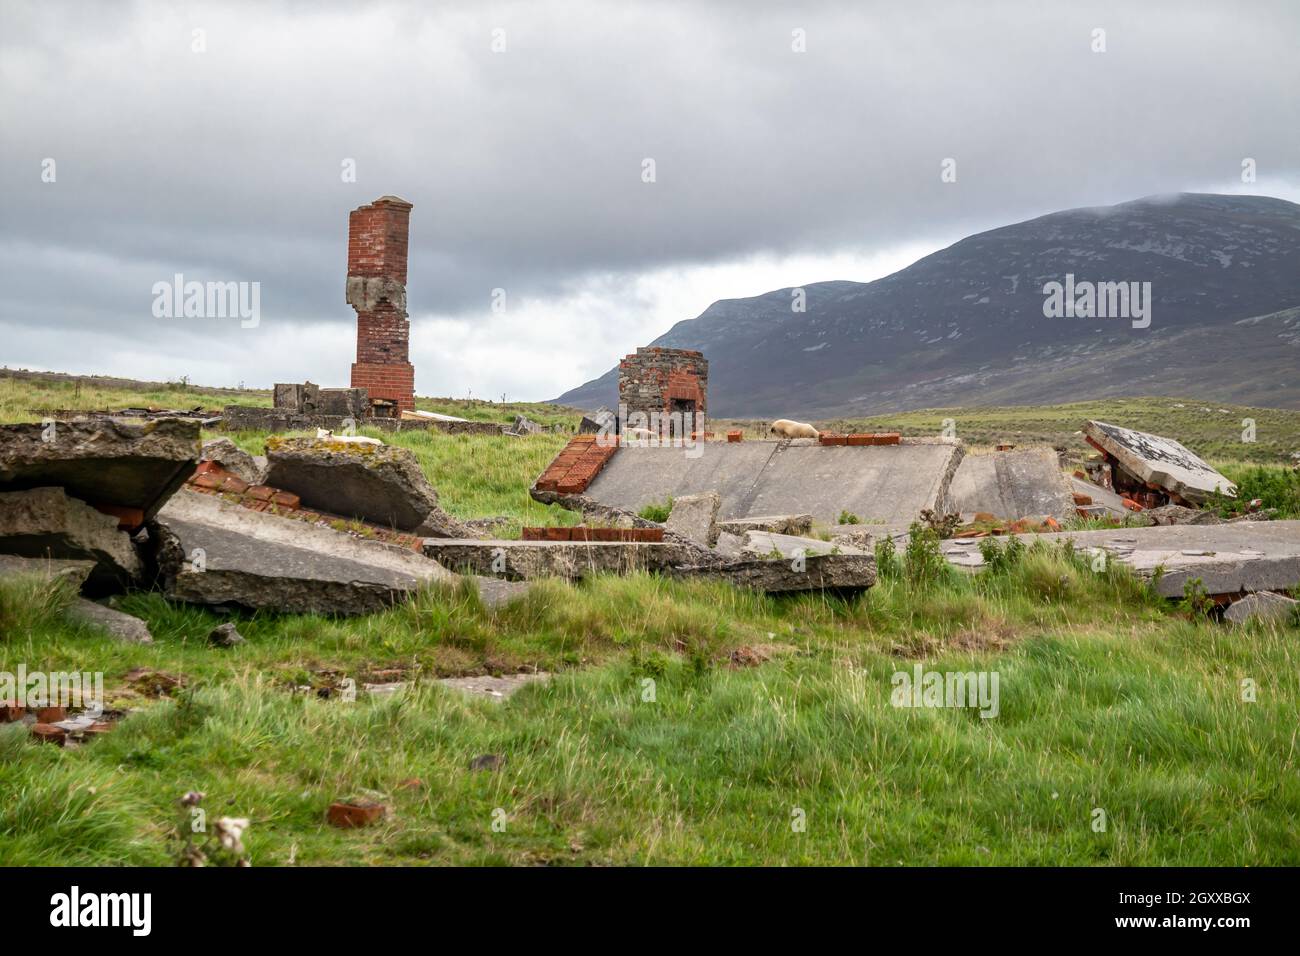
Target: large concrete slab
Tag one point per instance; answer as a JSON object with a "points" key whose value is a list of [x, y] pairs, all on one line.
{"points": [[1023, 483], [1229, 558], [1159, 461], [754, 478], [213, 552], [102, 461]]}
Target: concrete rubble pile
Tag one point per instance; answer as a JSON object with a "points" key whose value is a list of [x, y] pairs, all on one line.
{"points": [[106, 506]]}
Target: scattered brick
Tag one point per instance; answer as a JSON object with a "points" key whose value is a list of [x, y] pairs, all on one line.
{"points": [[349, 816], [51, 715], [9, 713], [1131, 505], [1081, 499], [49, 734], [735, 436]]}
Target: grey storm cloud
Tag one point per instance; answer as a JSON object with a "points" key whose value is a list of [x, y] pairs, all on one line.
{"points": [[525, 165]]}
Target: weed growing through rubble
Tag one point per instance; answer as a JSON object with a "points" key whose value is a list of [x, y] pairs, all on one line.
{"points": [[657, 511]]}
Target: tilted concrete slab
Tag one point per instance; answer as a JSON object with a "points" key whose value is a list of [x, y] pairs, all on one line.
{"points": [[755, 478], [1159, 461], [1024, 483], [1229, 558], [101, 461], [47, 523], [1104, 501], [213, 552], [382, 484]]}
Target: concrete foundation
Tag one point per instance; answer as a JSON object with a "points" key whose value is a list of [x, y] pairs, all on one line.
{"points": [[757, 478]]}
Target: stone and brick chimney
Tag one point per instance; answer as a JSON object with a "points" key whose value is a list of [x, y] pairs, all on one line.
{"points": [[665, 381], [376, 288]]}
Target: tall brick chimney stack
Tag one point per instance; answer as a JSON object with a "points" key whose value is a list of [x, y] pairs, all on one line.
{"points": [[376, 288]]}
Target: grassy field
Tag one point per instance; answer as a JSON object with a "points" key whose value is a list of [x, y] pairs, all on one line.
{"points": [[687, 722]]}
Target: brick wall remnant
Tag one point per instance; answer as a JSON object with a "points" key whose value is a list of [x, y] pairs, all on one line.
{"points": [[664, 381], [376, 289]]}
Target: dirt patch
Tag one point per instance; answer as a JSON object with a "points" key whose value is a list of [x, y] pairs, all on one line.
{"points": [[751, 655], [148, 682], [987, 637]]}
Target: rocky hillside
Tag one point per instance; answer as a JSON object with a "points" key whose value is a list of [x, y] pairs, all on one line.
{"points": [[966, 325]]}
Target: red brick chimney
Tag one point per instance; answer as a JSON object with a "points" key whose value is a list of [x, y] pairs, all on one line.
{"points": [[376, 288]]}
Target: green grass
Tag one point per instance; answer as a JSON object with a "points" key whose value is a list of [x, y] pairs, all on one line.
{"points": [[1110, 699]]}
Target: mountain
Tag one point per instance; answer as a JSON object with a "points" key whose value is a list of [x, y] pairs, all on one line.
{"points": [[966, 325]]}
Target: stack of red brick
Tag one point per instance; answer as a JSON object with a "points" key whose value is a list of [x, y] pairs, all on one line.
{"points": [[574, 468], [638, 535], [212, 479], [735, 436], [860, 438]]}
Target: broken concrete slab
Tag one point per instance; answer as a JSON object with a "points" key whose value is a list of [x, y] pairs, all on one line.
{"points": [[762, 543], [1103, 502], [249, 468], [495, 593], [123, 627], [75, 572], [574, 560], [214, 552], [102, 461], [225, 635], [1159, 461], [1264, 607], [1179, 514], [1026, 482], [754, 478], [839, 573], [524, 426], [381, 484], [46, 523], [695, 517], [495, 688], [777, 524], [1228, 558]]}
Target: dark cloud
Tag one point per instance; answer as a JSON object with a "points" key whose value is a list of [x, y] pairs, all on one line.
{"points": [[525, 166]]}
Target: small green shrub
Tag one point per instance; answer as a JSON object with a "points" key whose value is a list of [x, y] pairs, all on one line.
{"points": [[888, 567], [923, 562], [848, 517], [657, 512]]}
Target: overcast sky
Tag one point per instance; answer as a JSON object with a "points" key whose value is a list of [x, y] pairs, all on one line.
{"points": [[773, 167]]}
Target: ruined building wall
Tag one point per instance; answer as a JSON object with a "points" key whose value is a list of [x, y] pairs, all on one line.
{"points": [[376, 288], [655, 379]]}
